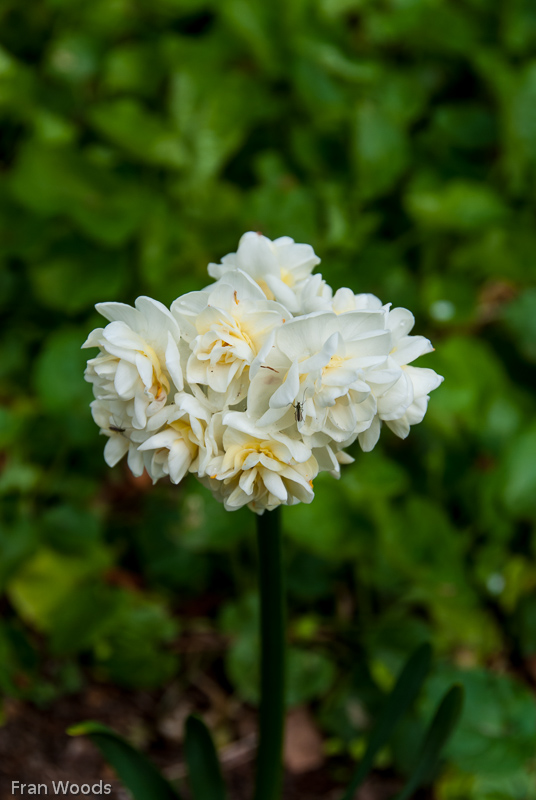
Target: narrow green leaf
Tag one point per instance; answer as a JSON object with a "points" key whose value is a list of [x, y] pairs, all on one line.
{"points": [[438, 733], [203, 765], [399, 701], [135, 771]]}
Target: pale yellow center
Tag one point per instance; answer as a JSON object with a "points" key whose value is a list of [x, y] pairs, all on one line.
{"points": [[288, 277], [335, 362], [184, 429], [266, 289], [159, 379]]}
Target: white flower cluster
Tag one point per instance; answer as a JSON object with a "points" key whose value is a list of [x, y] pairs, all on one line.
{"points": [[258, 382]]}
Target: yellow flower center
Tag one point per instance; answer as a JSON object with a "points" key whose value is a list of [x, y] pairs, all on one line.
{"points": [[266, 289], [288, 277], [184, 428], [159, 379], [335, 362]]}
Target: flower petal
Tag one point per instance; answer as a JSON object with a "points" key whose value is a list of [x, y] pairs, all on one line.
{"points": [[288, 391], [115, 449]]}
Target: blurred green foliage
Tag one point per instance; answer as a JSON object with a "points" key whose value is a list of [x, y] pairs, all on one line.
{"points": [[139, 140]]}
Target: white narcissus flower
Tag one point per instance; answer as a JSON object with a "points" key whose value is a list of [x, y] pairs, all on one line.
{"points": [[258, 382], [228, 328], [345, 300], [422, 380], [139, 360], [261, 470], [180, 446], [313, 294], [280, 267], [401, 392], [122, 438], [320, 362]]}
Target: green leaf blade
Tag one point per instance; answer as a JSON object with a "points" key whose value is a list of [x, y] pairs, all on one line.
{"points": [[399, 701], [135, 771], [203, 765], [436, 737]]}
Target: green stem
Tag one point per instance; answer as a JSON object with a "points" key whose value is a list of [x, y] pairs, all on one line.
{"points": [[272, 705]]}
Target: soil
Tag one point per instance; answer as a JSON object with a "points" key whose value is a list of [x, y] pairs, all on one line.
{"points": [[35, 748]]}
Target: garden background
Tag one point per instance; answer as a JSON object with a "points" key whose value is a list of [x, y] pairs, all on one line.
{"points": [[139, 140]]}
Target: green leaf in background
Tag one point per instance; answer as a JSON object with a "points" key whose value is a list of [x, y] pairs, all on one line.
{"points": [[399, 701], [457, 206], [135, 771], [206, 528], [203, 765], [74, 57], [50, 181], [497, 731], [70, 529], [58, 371], [17, 658], [280, 201], [474, 375], [56, 281], [313, 529], [379, 477], [18, 541], [436, 737], [251, 22], [520, 320], [382, 152], [47, 581], [519, 489], [125, 68], [525, 625], [213, 125], [91, 617], [518, 94], [309, 674], [133, 649], [126, 123]]}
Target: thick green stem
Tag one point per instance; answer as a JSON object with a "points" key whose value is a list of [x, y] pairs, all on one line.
{"points": [[272, 706]]}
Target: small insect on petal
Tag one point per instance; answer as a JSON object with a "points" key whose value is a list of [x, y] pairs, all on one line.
{"points": [[264, 366], [298, 411]]}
